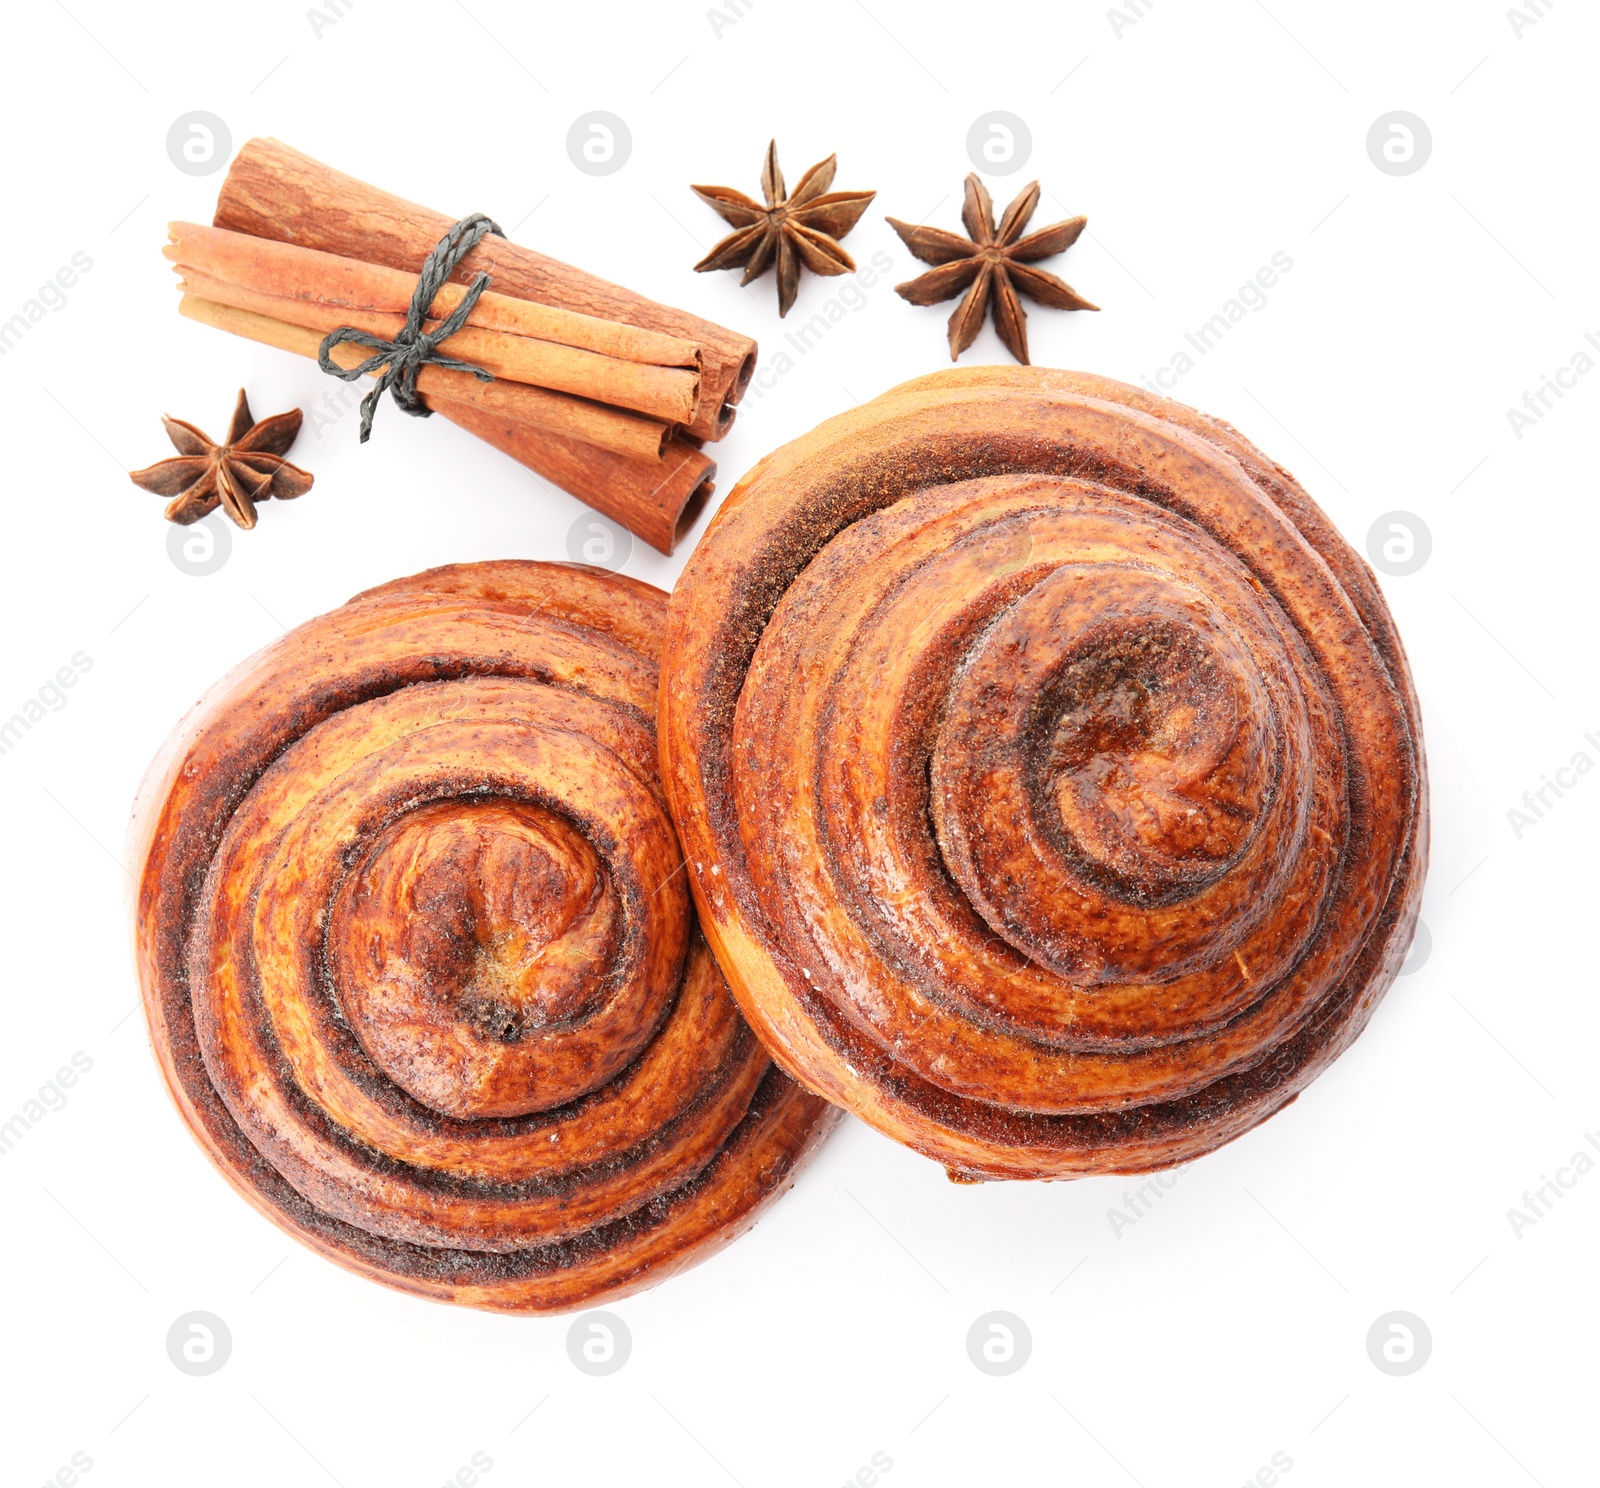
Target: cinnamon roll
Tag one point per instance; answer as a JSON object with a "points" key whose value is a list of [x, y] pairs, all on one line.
{"points": [[420, 963], [1049, 771]]}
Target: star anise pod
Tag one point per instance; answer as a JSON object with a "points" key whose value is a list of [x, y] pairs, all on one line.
{"points": [[789, 230], [991, 267], [247, 467]]}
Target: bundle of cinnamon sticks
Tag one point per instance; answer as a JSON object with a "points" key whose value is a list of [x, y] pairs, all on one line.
{"points": [[603, 392]]}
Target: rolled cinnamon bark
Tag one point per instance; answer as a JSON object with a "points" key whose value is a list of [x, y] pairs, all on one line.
{"points": [[1049, 769], [664, 393], [290, 270], [503, 335], [597, 424], [657, 500], [273, 191], [418, 957], [656, 495]]}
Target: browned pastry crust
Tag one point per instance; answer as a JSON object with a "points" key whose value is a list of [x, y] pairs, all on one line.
{"points": [[420, 964], [1049, 771]]}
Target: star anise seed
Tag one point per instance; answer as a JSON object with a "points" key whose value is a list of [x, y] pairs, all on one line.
{"points": [[789, 230], [247, 467], [991, 264]]}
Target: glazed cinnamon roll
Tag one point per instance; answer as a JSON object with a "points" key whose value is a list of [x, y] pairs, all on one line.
{"points": [[420, 962], [1049, 772]]}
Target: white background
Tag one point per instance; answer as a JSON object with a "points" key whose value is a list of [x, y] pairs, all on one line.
{"points": [[1228, 1324]]}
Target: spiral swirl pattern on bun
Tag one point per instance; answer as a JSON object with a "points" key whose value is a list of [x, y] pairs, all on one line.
{"points": [[420, 961], [1049, 770]]}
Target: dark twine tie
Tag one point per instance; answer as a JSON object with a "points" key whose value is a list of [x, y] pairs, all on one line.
{"points": [[413, 348]]}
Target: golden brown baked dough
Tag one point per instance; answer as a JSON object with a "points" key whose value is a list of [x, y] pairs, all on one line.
{"points": [[420, 964], [1049, 772]]}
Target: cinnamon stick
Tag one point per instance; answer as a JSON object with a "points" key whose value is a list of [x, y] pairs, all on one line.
{"points": [[295, 271], [666, 393], [273, 191], [558, 413], [657, 500], [655, 496]]}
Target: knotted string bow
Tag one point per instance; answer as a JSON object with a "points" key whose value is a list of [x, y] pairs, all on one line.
{"points": [[413, 348]]}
